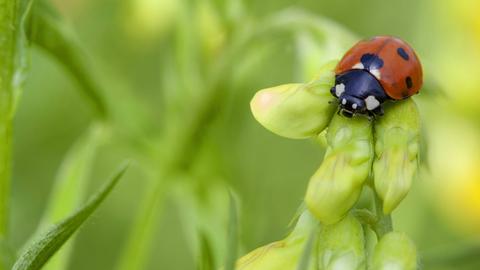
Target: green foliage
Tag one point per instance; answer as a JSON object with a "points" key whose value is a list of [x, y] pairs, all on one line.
{"points": [[336, 186], [50, 33], [47, 244], [70, 187], [172, 92], [13, 64]]}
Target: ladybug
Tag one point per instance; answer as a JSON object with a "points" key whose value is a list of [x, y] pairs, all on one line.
{"points": [[374, 71]]}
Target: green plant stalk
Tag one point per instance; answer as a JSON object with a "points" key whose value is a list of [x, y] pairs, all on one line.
{"points": [[8, 18], [232, 238], [182, 146], [179, 151], [136, 250], [182, 151]]}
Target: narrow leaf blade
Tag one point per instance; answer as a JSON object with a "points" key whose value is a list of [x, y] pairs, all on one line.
{"points": [[52, 240], [232, 240], [69, 189], [50, 33]]}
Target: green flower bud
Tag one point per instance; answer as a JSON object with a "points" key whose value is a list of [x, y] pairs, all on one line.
{"points": [[146, 19], [395, 251], [342, 246], [284, 254], [371, 241], [210, 29], [396, 150], [295, 110], [337, 184]]}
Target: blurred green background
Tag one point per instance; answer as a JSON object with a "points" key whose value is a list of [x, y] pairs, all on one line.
{"points": [[153, 70]]}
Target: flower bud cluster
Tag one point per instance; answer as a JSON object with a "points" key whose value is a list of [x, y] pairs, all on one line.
{"points": [[382, 152], [346, 245]]}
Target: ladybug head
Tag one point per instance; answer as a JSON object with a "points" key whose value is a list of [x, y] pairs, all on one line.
{"points": [[350, 105], [358, 92]]}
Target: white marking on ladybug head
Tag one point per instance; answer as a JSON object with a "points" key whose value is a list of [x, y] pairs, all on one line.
{"points": [[339, 89], [376, 73], [358, 66], [371, 103], [344, 101], [354, 106]]}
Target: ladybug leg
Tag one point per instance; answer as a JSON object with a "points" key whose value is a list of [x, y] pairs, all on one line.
{"points": [[378, 111], [371, 116]]}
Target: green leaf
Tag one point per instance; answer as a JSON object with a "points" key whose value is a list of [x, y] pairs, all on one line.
{"points": [[71, 180], [232, 238], [50, 33], [52, 240], [69, 188]]}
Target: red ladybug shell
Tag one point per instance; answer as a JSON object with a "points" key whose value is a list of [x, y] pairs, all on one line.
{"points": [[401, 72]]}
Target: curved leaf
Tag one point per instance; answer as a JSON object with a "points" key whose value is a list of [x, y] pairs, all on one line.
{"points": [[52, 240], [50, 33], [69, 189]]}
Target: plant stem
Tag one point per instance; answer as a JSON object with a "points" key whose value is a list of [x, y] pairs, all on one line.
{"points": [[8, 19], [180, 153], [384, 222]]}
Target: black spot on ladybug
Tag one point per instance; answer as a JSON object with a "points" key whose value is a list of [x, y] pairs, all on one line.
{"points": [[409, 82], [403, 53], [371, 61]]}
